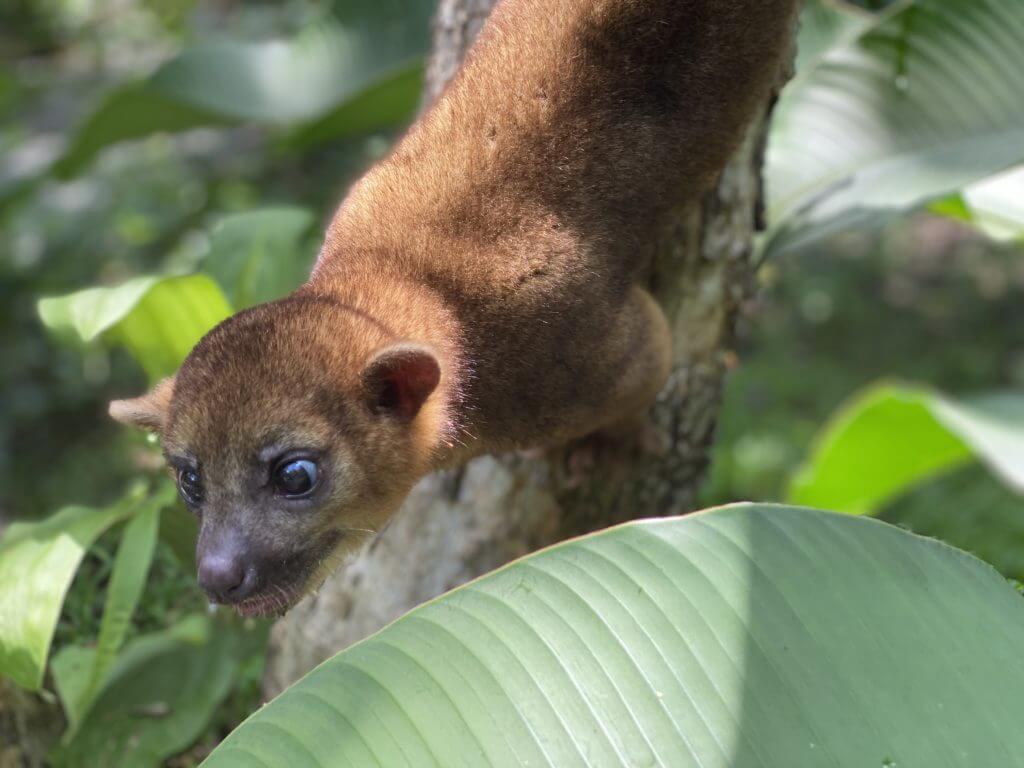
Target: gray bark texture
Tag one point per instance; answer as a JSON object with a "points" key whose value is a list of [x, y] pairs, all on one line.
{"points": [[461, 524]]}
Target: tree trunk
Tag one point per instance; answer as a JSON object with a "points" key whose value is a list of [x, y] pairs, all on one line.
{"points": [[461, 524]]}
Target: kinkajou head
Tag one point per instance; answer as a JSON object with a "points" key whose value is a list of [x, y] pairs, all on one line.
{"points": [[290, 447]]}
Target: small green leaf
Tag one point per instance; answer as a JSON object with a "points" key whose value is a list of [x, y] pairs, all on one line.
{"points": [[258, 256], [953, 207], [94, 310], [892, 437], [127, 580], [37, 564], [752, 635], [159, 320], [160, 695]]}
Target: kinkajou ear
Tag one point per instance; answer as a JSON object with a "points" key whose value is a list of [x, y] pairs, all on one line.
{"points": [[399, 379], [147, 412]]}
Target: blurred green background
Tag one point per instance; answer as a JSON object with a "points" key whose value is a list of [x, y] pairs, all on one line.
{"points": [[167, 137], [924, 300]]}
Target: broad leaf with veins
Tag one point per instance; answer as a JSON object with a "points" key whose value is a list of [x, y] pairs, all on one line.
{"points": [[892, 111], [742, 637]]}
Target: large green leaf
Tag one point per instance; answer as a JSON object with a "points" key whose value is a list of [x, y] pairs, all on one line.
{"points": [[127, 580], [37, 563], [162, 692], [258, 256], [892, 436], [748, 637], [924, 100], [333, 68], [158, 319]]}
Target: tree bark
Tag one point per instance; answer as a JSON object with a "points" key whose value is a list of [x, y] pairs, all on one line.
{"points": [[461, 524]]}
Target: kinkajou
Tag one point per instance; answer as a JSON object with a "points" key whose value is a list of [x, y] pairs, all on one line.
{"points": [[476, 290]]}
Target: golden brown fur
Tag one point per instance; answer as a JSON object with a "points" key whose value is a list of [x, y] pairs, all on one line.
{"points": [[504, 236], [527, 196]]}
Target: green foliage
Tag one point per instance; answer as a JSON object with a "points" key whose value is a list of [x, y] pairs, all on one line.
{"points": [[162, 209], [913, 302], [892, 437], [255, 256], [131, 567], [37, 563], [901, 108], [161, 693], [130, 112], [712, 640], [158, 319], [116, 705], [360, 75], [888, 110]]}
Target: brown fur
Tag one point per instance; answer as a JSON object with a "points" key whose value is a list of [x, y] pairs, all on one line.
{"points": [[504, 235]]}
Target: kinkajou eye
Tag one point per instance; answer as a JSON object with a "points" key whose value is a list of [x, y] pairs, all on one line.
{"points": [[295, 478], [190, 486]]}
